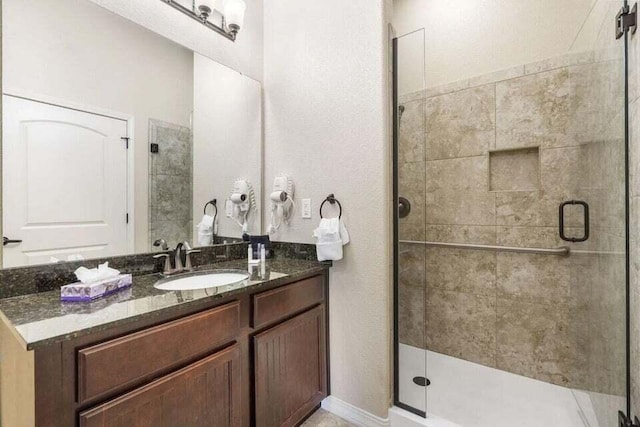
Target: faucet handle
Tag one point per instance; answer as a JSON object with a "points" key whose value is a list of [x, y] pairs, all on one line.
{"points": [[162, 244], [187, 262], [167, 262]]}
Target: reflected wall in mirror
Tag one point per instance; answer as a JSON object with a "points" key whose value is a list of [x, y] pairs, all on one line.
{"points": [[114, 136]]}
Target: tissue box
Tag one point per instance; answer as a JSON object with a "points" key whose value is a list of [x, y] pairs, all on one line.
{"points": [[89, 291]]}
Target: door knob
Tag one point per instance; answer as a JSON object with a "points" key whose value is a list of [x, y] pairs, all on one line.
{"points": [[6, 241]]}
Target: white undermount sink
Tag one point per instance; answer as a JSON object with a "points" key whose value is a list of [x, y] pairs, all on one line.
{"points": [[201, 280]]}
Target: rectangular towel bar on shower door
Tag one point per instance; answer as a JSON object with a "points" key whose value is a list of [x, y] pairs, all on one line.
{"points": [[562, 250]]}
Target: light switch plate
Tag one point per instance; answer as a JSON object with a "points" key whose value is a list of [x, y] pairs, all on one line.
{"points": [[306, 208]]}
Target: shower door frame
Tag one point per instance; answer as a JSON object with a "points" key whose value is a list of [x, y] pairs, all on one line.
{"points": [[395, 187], [627, 210], [396, 235]]}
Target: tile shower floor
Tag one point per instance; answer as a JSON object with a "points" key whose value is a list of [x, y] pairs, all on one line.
{"points": [[469, 394]]}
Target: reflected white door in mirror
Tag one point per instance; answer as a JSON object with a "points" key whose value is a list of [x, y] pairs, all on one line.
{"points": [[65, 185], [72, 90]]}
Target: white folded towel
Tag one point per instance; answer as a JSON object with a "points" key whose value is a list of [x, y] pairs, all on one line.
{"points": [[206, 221], [331, 235], [206, 230]]}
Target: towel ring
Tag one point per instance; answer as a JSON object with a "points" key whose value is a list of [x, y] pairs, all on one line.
{"points": [[332, 200], [213, 203]]}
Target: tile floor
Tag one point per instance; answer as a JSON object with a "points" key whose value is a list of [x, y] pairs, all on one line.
{"points": [[322, 418]]}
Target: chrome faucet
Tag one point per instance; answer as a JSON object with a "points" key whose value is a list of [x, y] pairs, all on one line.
{"points": [[182, 247], [177, 258]]}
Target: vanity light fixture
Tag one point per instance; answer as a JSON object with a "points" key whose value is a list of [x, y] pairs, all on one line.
{"points": [[206, 8], [232, 15]]}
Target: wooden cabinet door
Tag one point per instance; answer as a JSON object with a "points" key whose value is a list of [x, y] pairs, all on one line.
{"points": [[290, 369], [204, 394]]}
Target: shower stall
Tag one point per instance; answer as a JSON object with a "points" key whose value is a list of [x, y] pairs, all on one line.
{"points": [[511, 239]]}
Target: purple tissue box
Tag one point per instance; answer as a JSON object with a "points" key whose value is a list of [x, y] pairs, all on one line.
{"points": [[88, 292]]}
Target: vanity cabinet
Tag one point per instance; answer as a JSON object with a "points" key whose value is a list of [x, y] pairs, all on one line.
{"points": [[254, 358], [289, 352], [290, 369]]}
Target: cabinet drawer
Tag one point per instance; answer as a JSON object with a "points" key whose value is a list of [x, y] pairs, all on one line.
{"points": [[204, 394], [130, 360], [277, 304]]}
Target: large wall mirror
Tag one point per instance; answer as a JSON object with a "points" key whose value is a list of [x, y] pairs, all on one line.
{"points": [[115, 137]]}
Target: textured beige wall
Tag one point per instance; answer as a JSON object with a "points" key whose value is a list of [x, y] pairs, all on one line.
{"points": [[227, 118], [505, 33], [326, 126]]}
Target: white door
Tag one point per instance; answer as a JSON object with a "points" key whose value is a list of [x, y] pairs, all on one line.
{"points": [[64, 188]]}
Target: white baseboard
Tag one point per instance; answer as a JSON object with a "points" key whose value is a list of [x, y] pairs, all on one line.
{"points": [[352, 413]]}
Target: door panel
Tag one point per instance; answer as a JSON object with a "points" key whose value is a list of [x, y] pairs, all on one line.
{"points": [[290, 369], [410, 190], [64, 183]]}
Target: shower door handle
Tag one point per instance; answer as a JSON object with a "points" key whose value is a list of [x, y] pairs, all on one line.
{"points": [[585, 210]]}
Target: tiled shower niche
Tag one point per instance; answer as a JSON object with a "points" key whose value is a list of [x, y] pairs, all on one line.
{"points": [[514, 170]]}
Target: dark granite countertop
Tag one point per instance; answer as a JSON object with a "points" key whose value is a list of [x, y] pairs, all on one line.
{"points": [[41, 319]]}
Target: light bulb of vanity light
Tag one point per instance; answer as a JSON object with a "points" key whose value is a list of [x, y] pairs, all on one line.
{"points": [[206, 8], [234, 14]]}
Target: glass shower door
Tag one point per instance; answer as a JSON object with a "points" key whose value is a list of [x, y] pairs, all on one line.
{"points": [[411, 372], [597, 266], [511, 234]]}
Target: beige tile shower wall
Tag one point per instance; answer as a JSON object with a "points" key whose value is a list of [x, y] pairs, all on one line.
{"points": [[547, 317], [170, 183]]}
